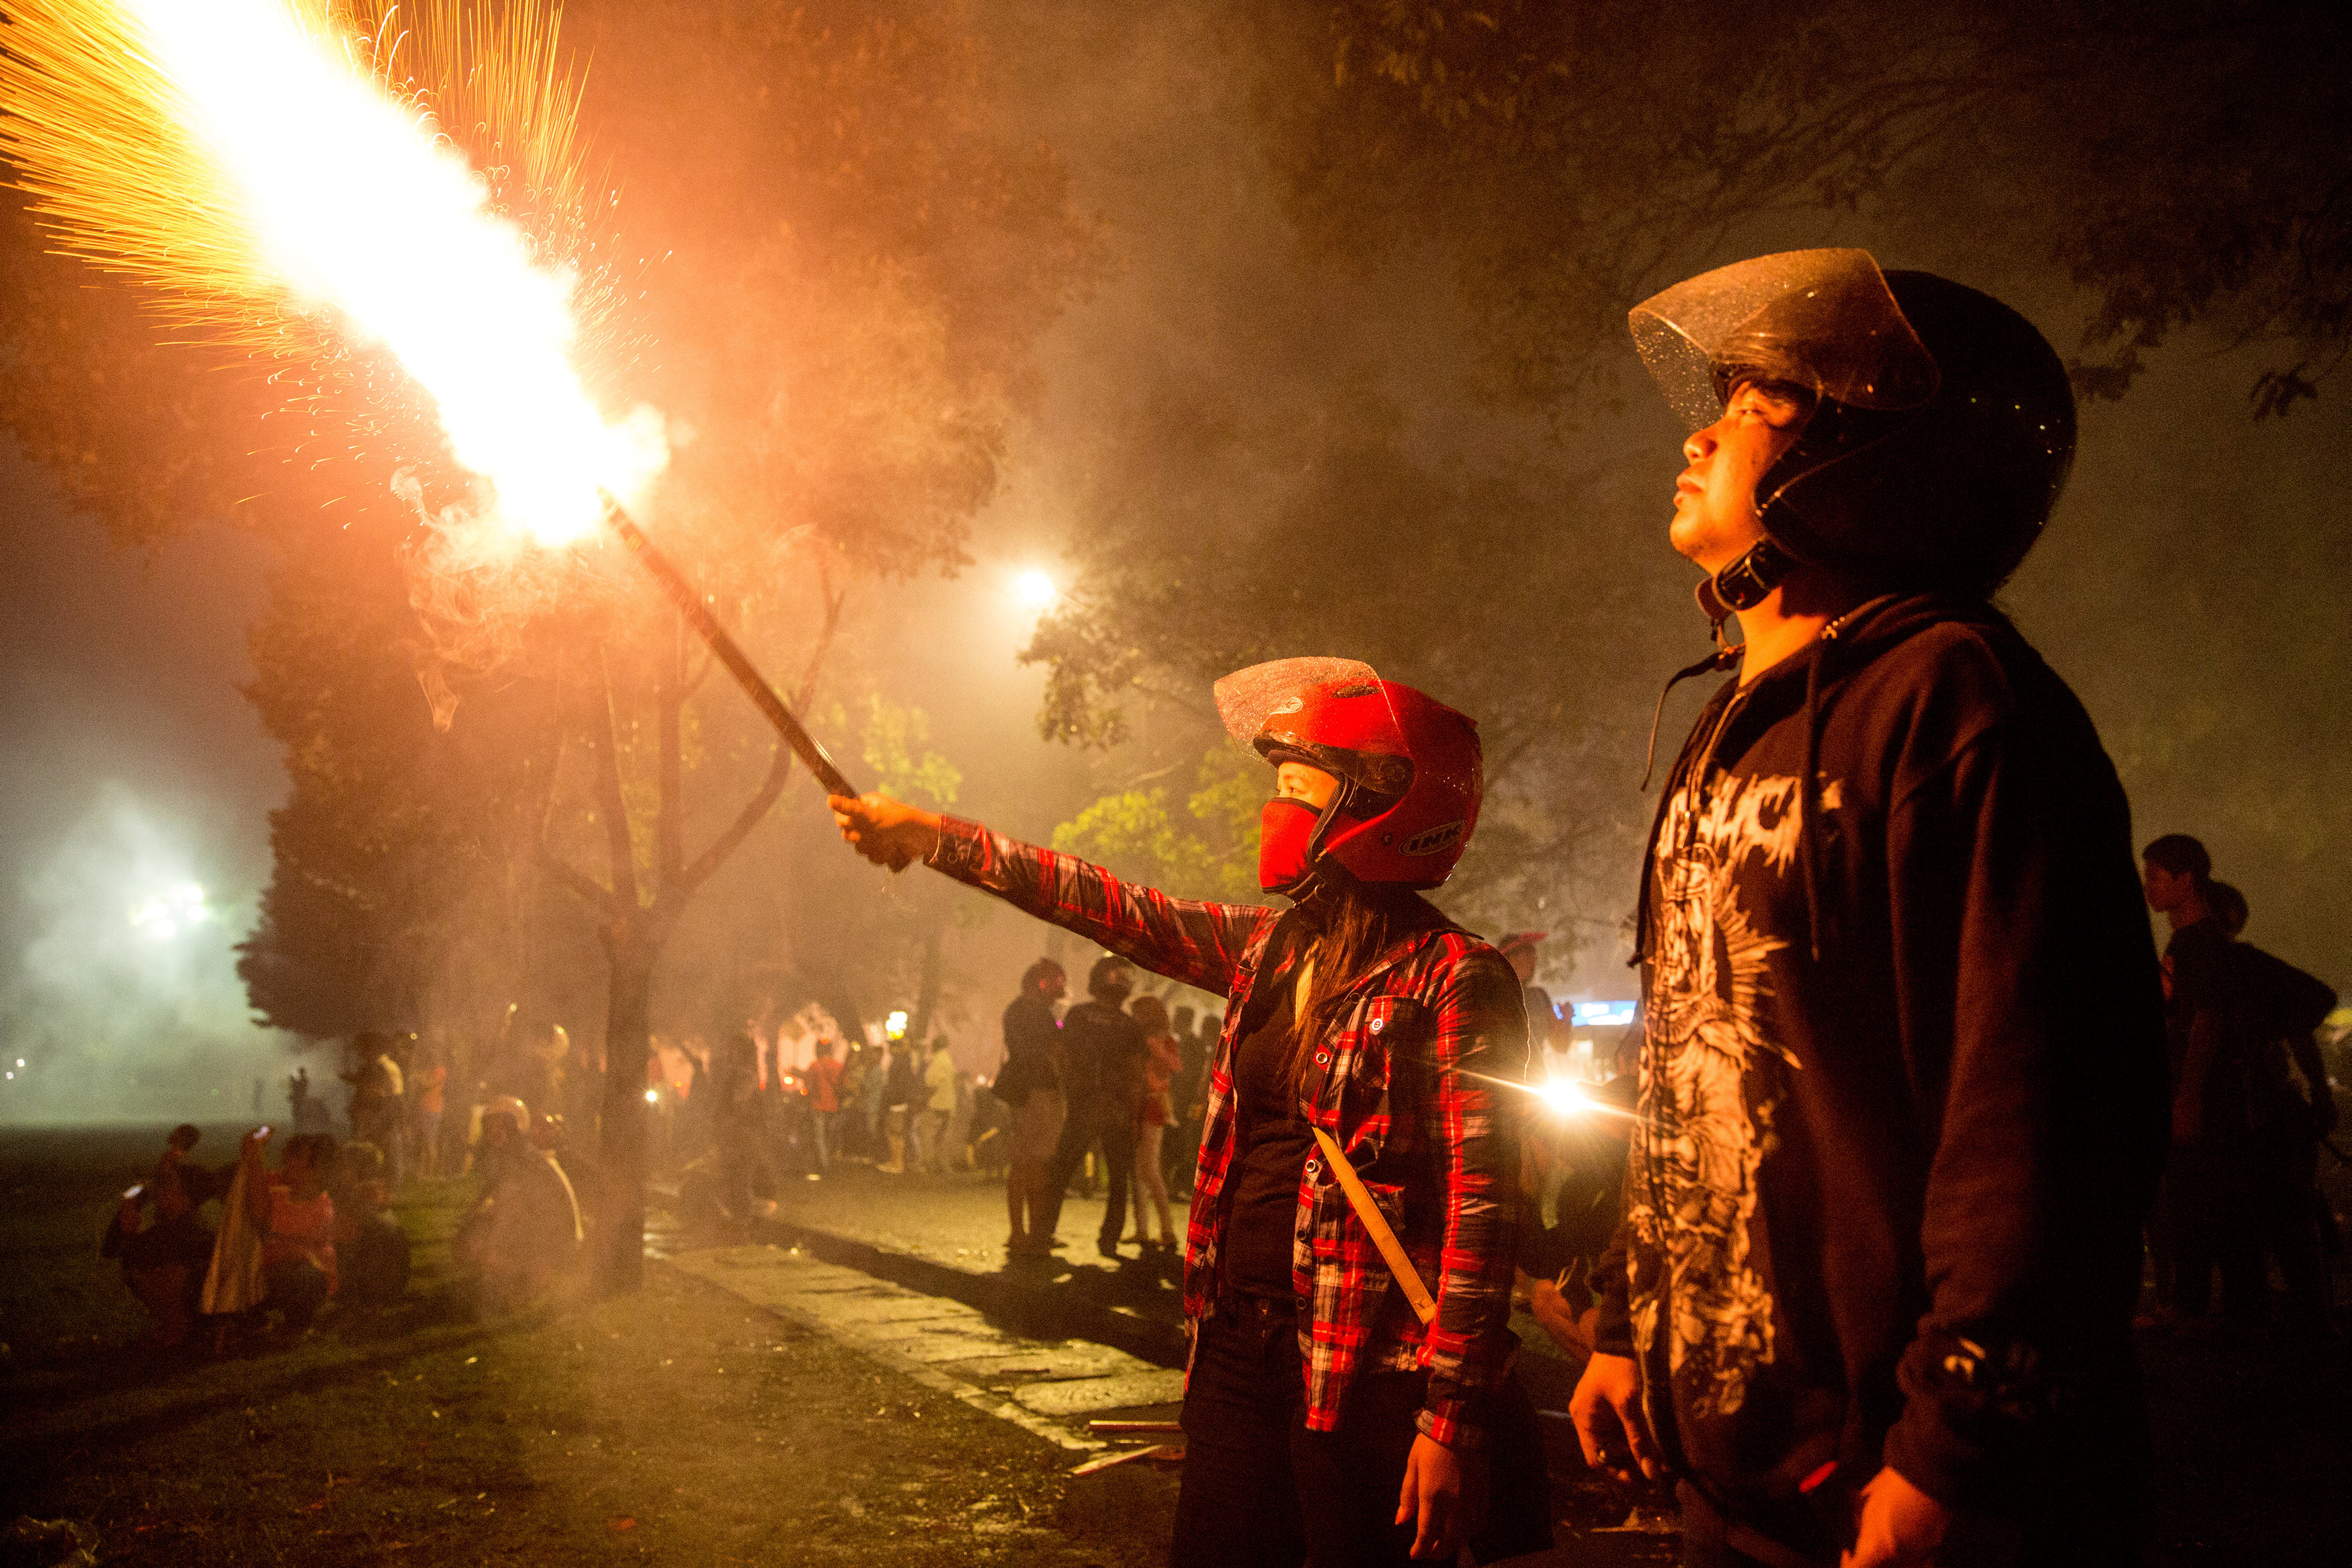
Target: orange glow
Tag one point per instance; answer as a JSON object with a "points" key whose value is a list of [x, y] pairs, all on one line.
{"points": [[305, 176]]}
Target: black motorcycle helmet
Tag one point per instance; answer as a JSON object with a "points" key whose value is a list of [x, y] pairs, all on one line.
{"points": [[1943, 423]]}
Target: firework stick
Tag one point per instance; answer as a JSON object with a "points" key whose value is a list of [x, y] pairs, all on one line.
{"points": [[1105, 1428], [698, 615]]}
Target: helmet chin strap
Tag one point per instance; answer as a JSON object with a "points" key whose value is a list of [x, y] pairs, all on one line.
{"points": [[1745, 582], [1743, 585], [1308, 885]]}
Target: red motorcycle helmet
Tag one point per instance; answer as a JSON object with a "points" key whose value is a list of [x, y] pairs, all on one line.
{"points": [[1410, 769]]}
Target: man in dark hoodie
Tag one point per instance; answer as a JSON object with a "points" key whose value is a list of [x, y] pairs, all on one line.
{"points": [[1903, 1096]]}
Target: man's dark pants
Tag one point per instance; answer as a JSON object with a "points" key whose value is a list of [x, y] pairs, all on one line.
{"points": [[2208, 1186], [1082, 1124]]}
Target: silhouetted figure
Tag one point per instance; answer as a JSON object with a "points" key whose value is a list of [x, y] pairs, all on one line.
{"points": [[2290, 1107], [2206, 1191], [1103, 1051], [1029, 1084]]}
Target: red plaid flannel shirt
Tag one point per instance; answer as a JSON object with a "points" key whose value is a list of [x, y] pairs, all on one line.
{"points": [[1407, 1085]]}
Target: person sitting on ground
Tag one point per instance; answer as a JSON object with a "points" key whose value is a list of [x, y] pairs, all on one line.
{"points": [[163, 1264], [372, 1249], [531, 1229], [504, 1119], [296, 1217]]}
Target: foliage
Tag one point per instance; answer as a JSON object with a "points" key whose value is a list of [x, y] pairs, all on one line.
{"points": [[1562, 162], [895, 745], [844, 258], [1209, 851], [2184, 162], [1491, 588]]}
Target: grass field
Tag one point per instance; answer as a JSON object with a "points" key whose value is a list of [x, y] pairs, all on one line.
{"points": [[680, 1426], [676, 1424]]}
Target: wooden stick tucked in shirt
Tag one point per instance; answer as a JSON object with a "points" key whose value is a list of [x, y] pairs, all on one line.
{"points": [[1376, 1224]]}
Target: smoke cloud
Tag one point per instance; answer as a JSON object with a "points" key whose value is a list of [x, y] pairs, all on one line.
{"points": [[124, 1002]]}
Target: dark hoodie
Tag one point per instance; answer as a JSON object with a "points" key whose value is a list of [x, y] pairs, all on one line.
{"points": [[1903, 1098]]}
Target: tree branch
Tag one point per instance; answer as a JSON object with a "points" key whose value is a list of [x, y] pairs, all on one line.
{"points": [[585, 887], [670, 700], [609, 799], [780, 769]]}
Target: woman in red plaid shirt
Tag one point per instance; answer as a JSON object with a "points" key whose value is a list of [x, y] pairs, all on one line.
{"points": [[1325, 1421]]}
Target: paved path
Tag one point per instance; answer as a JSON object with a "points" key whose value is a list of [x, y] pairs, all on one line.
{"points": [[956, 1220], [1052, 1388]]}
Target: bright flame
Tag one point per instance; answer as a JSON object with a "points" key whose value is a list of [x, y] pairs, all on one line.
{"points": [[353, 203]]}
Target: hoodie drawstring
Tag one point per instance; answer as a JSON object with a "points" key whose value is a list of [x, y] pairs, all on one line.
{"points": [[1723, 658]]}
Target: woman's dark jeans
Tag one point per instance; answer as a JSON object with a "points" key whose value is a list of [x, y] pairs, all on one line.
{"points": [[1259, 1489]]}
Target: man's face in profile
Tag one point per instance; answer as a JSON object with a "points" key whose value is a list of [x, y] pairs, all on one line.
{"points": [[1715, 520]]}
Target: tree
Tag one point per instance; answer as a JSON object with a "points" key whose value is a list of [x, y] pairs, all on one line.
{"points": [[2183, 162], [2183, 166], [1210, 851], [851, 258], [1438, 574]]}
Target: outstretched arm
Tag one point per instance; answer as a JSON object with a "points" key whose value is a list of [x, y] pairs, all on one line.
{"points": [[1190, 940]]}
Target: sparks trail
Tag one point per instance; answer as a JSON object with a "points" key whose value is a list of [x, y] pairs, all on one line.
{"points": [[256, 164], [698, 615]]}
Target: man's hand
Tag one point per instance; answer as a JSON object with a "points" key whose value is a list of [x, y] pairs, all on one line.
{"points": [[1558, 1319], [1439, 1499], [886, 832], [1611, 1386], [1901, 1525]]}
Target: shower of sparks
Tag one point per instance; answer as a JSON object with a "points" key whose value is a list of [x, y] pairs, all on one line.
{"points": [[257, 162]]}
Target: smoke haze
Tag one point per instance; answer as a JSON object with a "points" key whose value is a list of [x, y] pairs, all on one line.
{"points": [[1190, 408]]}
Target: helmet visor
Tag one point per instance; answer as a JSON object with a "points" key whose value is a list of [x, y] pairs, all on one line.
{"points": [[1822, 320], [1333, 713]]}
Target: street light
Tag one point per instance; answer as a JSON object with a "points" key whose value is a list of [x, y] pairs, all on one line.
{"points": [[165, 914], [1036, 589]]}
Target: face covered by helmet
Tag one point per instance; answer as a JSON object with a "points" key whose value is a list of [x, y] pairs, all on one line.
{"points": [[1409, 769], [1942, 425]]}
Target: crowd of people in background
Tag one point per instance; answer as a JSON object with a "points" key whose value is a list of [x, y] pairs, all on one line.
{"points": [[1105, 1096], [1099, 1088]]}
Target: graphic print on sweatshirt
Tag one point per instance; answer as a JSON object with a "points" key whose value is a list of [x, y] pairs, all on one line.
{"points": [[1705, 1113]]}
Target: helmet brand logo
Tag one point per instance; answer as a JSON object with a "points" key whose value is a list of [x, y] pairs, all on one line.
{"points": [[1429, 841]]}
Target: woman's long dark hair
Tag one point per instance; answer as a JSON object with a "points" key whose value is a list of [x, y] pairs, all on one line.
{"points": [[1357, 922]]}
